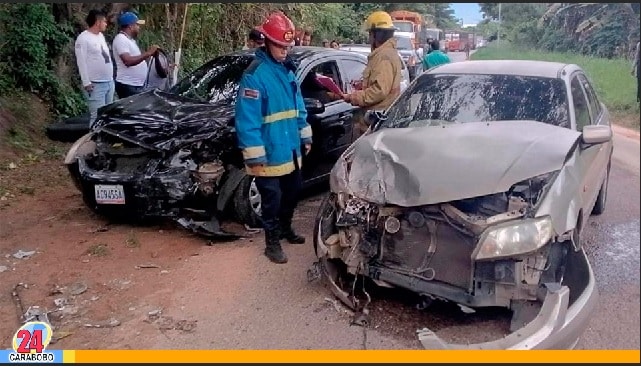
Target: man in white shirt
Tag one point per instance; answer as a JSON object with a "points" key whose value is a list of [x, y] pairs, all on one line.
{"points": [[131, 65], [94, 63]]}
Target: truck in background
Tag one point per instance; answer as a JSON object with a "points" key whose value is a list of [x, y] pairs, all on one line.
{"points": [[408, 23]]}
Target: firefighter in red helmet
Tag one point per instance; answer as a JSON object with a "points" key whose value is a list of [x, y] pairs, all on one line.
{"points": [[273, 133]]}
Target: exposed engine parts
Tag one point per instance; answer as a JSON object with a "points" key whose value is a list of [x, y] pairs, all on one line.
{"points": [[431, 249]]}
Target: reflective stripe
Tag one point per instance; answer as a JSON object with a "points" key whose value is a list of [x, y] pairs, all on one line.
{"points": [[306, 132], [274, 117], [253, 152], [273, 170]]}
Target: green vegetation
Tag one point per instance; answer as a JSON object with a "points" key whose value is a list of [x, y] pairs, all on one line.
{"points": [[611, 77]]}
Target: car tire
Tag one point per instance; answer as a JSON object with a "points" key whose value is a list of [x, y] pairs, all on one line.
{"points": [[599, 206], [69, 129], [247, 203]]}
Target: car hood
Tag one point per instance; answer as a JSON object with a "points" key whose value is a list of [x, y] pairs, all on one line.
{"points": [[164, 121], [428, 165]]}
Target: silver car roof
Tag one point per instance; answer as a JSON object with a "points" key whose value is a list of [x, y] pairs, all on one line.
{"points": [[544, 69]]}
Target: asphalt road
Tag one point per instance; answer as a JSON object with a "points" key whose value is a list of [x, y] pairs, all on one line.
{"points": [[242, 301]]}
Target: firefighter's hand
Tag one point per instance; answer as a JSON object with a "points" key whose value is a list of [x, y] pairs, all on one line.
{"points": [[308, 148], [347, 98]]}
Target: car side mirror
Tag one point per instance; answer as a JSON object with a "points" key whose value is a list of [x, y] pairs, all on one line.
{"points": [[374, 118], [596, 134], [314, 106]]}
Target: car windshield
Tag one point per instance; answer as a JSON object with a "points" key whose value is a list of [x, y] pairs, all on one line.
{"points": [[215, 81], [403, 43], [443, 99], [404, 26]]}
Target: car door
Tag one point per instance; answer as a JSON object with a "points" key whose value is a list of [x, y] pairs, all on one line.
{"points": [[599, 116], [332, 129], [588, 154], [352, 71]]}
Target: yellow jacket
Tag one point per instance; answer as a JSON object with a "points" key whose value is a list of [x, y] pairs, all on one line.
{"points": [[381, 78]]}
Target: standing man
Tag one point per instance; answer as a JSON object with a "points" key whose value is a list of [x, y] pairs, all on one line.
{"points": [[94, 64], [382, 76], [255, 39], [436, 57], [271, 125], [131, 68], [307, 39]]}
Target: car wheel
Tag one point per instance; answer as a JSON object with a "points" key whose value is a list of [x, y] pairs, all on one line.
{"points": [[247, 202], [599, 206], [69, 129]]}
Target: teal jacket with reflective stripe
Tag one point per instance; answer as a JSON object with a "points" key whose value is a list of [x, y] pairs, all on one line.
{"points": [[435, 58], [271, 119]]}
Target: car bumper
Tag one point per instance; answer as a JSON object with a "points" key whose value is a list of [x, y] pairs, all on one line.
{"points": [[157, 196], [557, 326]]}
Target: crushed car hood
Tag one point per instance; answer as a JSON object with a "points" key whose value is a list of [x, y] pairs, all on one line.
{"points": [[428, 165], [164, 121]]}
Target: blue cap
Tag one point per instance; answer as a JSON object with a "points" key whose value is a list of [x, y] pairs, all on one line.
{"points": [[129, 18]]}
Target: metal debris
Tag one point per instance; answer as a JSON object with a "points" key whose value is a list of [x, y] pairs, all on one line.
{"points": [[60, 302], [361, 319], [314, 273], [16, 300], [147, 266], [3, 269], [168, 322], [21, 254], [36, 314], [111, 323], [466, 310]]}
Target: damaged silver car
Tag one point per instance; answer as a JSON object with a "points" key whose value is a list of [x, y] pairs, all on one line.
{"points": [[474, 188]]}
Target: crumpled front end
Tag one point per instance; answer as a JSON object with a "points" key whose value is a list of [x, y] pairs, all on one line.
{"points": [[492, 244], [123, 180]]}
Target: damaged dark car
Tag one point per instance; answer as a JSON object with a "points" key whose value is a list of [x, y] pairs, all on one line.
{"points": [[474, 188], [174, 154]]}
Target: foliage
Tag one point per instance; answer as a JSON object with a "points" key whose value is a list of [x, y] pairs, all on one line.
{"points": [[597, 29], [36, 40], [611, 77], [32, 40]]}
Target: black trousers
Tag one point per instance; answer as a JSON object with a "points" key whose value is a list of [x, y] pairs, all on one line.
{"points": [[125, 90], [279, 197]]}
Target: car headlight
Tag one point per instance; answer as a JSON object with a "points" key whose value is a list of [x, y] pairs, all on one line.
{"points": [[515, 238]]}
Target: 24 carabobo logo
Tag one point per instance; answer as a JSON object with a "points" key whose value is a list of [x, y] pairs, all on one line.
{"points": [[32, 337]]}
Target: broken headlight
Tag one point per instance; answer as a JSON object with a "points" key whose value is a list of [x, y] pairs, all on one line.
{"points": [[515, 238]]}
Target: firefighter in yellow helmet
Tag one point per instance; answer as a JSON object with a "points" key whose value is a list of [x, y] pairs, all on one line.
{"points": [[381, 82]]}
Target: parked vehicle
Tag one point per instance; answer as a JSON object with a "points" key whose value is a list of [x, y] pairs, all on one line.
{"points": [[366, 49], [412, 57], [474, 187], [408, 24], [174, 154]]}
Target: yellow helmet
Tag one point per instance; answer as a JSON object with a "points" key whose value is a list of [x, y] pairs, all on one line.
{"points": [[379, 20]]}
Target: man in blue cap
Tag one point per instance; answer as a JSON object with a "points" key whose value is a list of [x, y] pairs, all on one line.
{"points": [[131, 65]]}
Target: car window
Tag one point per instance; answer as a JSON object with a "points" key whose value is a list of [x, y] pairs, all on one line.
{"points": [[438, 99], [215, 81], [580, 102], [314, 87], [353, 73], [593, 100]]}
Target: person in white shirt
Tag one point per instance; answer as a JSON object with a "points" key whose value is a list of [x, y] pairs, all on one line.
{"points": [[94, 64], [131, 65]]}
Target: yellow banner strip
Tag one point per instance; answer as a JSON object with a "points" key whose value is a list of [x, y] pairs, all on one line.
{"points": [[332, 356]]}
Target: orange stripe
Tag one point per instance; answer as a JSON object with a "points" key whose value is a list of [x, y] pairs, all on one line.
{"points": [[341, 356]]}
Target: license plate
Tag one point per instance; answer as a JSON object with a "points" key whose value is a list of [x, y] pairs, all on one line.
{"points": [[109, 194]]}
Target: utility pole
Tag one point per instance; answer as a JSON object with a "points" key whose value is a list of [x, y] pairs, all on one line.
{"points": [[498, 34]]}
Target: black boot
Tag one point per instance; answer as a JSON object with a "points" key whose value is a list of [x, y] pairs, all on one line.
{"points": [[273, 250], [288, 233]]}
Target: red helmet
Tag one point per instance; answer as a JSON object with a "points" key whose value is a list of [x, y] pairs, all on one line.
{"points": [[279, 29]]}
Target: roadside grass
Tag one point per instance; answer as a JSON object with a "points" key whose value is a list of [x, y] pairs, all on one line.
{"points": [[611, 78]]}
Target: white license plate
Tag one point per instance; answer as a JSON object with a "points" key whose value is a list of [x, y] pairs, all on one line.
{"points": [[109, 194]]}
